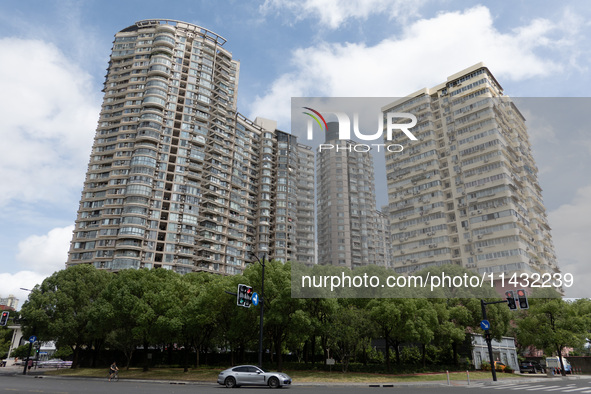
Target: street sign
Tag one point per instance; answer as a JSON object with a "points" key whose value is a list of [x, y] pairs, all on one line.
{"points": [[485, 325], [255, 298], [330, 361], [32, 339]]}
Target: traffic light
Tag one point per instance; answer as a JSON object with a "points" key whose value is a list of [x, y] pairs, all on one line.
{"points": [[510, 294], [4, 318], [244, 296], [522, 296]]}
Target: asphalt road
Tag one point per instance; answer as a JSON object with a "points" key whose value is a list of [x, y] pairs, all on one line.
{"points": [[51, 385]]}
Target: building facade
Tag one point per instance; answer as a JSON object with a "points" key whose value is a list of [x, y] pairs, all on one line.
{"points": [[178, 179], [10, 302], [348, 222], [466, 192]]}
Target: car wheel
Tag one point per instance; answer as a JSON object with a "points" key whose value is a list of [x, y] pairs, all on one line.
{"points": [[230, 382], [274, 382]]}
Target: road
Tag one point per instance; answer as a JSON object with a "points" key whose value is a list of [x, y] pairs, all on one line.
{"points": [[51, 385]]}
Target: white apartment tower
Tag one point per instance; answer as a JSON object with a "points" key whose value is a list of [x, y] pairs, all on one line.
{"points": [[467, 191], [178, 179]]}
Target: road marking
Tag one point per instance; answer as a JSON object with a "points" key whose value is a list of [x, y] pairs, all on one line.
{"points": [[548, 387], [577, 389], [504, 385], [537, 387], [570, 386], [526, 387]]}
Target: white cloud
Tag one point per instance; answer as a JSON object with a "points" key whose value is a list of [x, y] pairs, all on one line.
{"points": [[48, 119], [333, 13], [12, 284], [570, 229], [46, 254], [427, 51]]}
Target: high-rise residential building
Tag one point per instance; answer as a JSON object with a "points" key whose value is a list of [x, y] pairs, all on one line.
{"points": [[347, 215], [467, 191], [178, 178], [306, 215], [10, 302]]}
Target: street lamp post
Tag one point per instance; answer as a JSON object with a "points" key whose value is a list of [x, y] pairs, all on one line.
{"points": [[30, 343]]}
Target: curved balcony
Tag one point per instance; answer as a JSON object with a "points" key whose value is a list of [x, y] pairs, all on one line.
{"points": [[159, 69], [166, 39]]}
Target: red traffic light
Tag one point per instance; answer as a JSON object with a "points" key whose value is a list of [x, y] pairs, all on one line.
{"points": [[522, 298], [511, 299], [4, 318]]}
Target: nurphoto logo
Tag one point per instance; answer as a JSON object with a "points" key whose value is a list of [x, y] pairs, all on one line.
{"points": [[392, 124]]}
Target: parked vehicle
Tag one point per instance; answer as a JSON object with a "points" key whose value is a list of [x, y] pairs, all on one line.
{"points": [[253, 376], [499, 366], [531, 367], [554, 362]]}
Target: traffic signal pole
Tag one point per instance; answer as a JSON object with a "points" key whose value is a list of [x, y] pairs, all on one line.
{"points": [[488, 342], [262, 302], [483, 305]]}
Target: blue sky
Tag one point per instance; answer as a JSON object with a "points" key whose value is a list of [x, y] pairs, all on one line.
{"points": [[54, 56]]}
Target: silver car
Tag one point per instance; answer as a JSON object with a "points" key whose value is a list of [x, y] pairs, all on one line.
{"points": [[253, 376]]}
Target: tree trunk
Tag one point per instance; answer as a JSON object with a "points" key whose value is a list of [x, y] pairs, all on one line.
{"points": [[397, 351], [186, 358], [146, 367], [559, 349], [197, 349], [313, 353], [278, 352], [387, 341], [169, 354], [128, 356], [424, 351], [75, 351]]}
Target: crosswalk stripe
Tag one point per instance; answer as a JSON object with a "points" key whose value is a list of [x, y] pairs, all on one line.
{"points": [[550, 387], [503, 386], [521, 387], [577, 389], [537, 387], [562, 388]]}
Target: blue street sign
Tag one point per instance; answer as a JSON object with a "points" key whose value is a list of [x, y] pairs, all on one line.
{"points": [[255, 299], [32, 339], [485, 325]]}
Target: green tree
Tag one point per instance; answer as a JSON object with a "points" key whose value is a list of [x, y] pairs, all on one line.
{"points": [[5, 339], [22, 351], [199, 300], [395, 319], [145, 309], [60, 308], [552, 324], [282, 312], [351, 331]]}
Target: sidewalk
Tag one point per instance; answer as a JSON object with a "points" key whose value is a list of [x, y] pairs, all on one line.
{"points": [[18, 370]]}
